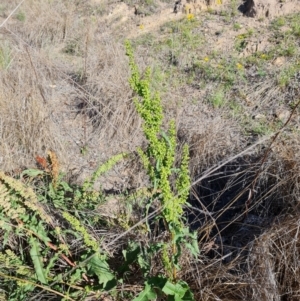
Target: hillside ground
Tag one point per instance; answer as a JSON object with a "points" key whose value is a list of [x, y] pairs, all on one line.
{"points": [[230, 82]]}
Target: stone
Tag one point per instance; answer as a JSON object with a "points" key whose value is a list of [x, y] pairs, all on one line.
{"points": [[268, 8], [282, 115]]}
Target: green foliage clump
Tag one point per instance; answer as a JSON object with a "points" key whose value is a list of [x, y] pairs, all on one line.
{"points": [[89, 241], [44, 246], [159, 162], [159, 157], [45, 214]]}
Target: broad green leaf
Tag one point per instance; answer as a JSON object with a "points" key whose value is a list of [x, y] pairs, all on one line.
{"points": [[188, 296], [188, 239], [7, 233], [66, 186], [193, 247], [37, 260], [32, 172], [174, 289], [130, 255], [38, 229], [147, 294], [100, 268], [157, 281], [76, 276], [179, 290], [167, 139], [193, 244]]}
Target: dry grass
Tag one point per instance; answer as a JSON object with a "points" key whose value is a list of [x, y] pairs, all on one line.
{"points": [[27, 128], [275, 261], [64, 87]]}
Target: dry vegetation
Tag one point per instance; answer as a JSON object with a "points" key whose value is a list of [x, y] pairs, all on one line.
{"points": [[230, 82]]}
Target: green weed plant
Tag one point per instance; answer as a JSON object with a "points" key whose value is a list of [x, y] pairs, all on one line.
{"points": [[41, 215], [159, 162], [36, 265]]}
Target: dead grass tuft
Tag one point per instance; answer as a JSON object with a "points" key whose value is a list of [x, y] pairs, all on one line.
{"points": [[274, 261]]}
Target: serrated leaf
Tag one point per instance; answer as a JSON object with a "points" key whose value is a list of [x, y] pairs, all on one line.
{"points": [[76, 276], [147, 294], [193, 247], [101, 269], [37, 260]]}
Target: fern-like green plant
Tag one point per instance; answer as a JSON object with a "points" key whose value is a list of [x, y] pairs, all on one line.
{"points": [[36, 264], [89, 241], [89, 182]]}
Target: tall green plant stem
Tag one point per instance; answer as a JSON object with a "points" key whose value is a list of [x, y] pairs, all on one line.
{"points": [[159, 157]]}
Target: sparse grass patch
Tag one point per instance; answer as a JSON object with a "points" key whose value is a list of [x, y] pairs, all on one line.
{"points": [[287, 74], [296, 27], [236, 26], [185, 32], [143, 8], [147, 40], [220, 70], [73, 47], [210, 10], [279, 22], [236, 108], [217, 99], [261, 128], [234, 8], [5, 56], [21, 16], [2, 9], [241, 40]]}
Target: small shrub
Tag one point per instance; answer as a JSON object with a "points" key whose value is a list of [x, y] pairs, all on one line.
{"points": [[279, 22], [21, 16], [45, 254], [236, 26], [158, 160], [287, 74], [296, 28], [218, 98]]}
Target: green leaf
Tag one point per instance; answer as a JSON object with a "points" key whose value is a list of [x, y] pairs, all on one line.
{"points": [[167, 139], [174, 289], [100, 268], [41, 232], [179, 290], [147, 294], [76, 276], [32, 172], [130, 255], [37, 260], [7, 233], [66, 186]]}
